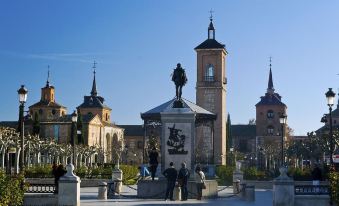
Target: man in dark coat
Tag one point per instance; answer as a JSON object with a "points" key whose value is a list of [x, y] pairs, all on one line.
{"points": [[171, 174], [316, 177], [153, 161], [184, 175]]}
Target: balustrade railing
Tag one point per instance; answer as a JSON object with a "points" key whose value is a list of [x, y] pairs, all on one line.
{"points": [[311, 190], [41, 188]]}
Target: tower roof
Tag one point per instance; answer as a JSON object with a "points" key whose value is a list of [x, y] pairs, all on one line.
{"points": [[94, 85], [271, 97], [210, 42]]}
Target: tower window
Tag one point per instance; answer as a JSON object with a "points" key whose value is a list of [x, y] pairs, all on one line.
{"points": [[270, 114], [209, 73], [53, 111], [270, 130], [40, 111]]}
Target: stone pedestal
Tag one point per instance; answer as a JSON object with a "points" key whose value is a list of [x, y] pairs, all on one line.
{"points": [[69, 188], [178, 128], [117, 179], [283, 189], [149, 189]]}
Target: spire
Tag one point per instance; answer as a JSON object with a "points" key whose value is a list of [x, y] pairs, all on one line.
{"points": [[270, 88], [94, 86], [47, 82], [211, 30]]}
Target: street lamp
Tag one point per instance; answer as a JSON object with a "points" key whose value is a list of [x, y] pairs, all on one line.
{"points": [[22, 92], [330, 102], [282, 119], [74, 129]]}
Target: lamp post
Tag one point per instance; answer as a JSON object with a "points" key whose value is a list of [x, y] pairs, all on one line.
{"points": [[330, 102], [282, 119], [22, 92], [73, 131]]}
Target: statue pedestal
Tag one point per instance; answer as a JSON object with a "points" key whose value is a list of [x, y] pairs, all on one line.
{"points": [[178, 138]]}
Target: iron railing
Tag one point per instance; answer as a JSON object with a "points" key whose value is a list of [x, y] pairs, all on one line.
{"points": [[311, 190]]}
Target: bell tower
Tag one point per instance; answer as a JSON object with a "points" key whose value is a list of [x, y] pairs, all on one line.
{"points": [[211, 88]]}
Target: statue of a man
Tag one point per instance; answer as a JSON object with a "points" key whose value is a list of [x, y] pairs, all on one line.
{"points": [[180, 79]]}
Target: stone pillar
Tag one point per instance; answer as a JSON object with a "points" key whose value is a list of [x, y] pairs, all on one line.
{"points": [[69, 188], [283, 189], [117, 179]]}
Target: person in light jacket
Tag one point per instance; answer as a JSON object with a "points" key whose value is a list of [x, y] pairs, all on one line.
{"points": [[199, 177]]}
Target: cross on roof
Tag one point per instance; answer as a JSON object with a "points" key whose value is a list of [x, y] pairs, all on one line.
{"points": [[211, 16], [94, 66]]}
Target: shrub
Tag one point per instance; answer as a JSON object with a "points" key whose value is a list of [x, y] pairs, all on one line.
{"points": [[12, 189], [130, 173], [299, 174], [250, 173], [225, 174], [334, 185]]}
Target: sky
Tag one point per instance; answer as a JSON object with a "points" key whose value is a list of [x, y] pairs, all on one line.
{"points": [[137, 44]]}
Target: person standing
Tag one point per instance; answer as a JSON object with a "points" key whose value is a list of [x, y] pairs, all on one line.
{"points": [[183, 176], [153, 161], [316, 177], [200, 181], [171, 175]]}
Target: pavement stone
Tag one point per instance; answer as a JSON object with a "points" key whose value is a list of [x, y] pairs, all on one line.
{"points": [[89, 198]]}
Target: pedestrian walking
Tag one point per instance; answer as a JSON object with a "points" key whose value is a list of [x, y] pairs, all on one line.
{"points": [[183, 176], [171, 176], [199, 177]]}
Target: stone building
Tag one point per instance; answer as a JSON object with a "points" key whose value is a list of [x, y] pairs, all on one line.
{"points": [[97, 128], [268, 110], [94, 122], [211, 89]]}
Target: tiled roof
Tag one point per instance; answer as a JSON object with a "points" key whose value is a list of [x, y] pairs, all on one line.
{"points": [[270, 99], [210, 44], [242, 130], [93, 102], [133, 130], [47, 104], [200, 112]]}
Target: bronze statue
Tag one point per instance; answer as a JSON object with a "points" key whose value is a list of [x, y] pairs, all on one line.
{"points": [[180, 79]]}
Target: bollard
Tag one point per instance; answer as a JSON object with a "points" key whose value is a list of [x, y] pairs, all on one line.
{"points": [[242, 193], [236, 187], [111, 189], [177, 193], [102, 191], [250, 193]]}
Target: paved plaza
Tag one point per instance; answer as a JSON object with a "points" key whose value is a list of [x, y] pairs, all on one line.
{"points": [[89, 197]]}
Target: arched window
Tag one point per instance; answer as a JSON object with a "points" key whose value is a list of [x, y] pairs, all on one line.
{"points": [[209, 73], [270, 130], [270, 114]]}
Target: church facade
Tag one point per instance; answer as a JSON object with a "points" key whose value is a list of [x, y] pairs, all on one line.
{"points": [[94, 122]]}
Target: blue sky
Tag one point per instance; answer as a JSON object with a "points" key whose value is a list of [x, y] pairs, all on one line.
{"points": [[138, 43]]}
